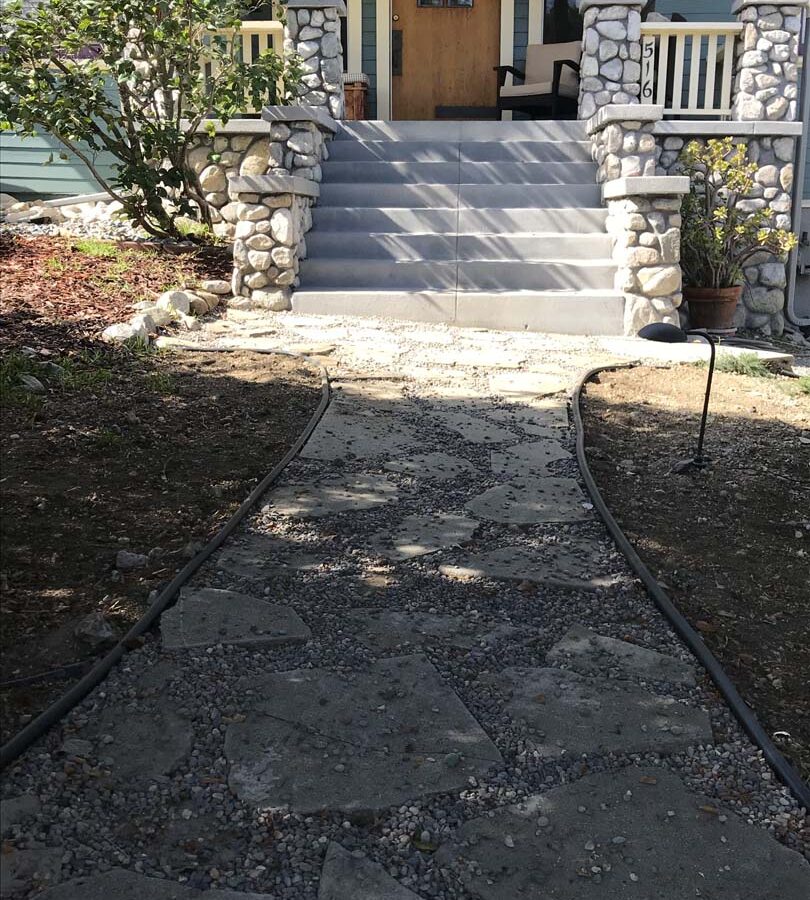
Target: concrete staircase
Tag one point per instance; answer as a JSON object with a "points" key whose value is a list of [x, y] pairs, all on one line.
{"points": [[486, 224]]}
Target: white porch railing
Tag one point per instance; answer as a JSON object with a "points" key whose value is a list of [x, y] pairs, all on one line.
{"points": [[256, 37], [687, 67]]}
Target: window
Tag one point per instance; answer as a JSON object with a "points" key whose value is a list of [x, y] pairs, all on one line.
{"points": [[562, 23]]}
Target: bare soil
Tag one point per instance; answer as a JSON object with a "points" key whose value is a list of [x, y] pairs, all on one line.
{"points": [[731, 543], [128, 449]]}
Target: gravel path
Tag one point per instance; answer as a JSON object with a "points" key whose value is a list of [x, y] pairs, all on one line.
{"points": [[440, 678]]}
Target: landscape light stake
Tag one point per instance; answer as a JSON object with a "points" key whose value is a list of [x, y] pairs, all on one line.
{"points": [[664, 333]]}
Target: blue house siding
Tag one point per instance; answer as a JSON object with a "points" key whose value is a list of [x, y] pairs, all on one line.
{"points": [[697, 10], [370, 53], [521, 32], [25, 170]]}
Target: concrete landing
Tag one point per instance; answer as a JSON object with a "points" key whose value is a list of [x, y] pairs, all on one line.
{"points": [[202, 618], [315, 740], [571, 714], [347, 877], [636, 833]]}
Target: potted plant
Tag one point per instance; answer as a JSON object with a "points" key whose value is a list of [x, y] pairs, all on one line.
{"points": [[718, 237]]}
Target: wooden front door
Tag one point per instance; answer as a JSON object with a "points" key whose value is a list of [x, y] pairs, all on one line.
{"points": [[442, 54]]}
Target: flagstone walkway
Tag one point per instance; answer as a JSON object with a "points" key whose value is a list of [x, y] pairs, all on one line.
{"points": [[420, 670]]}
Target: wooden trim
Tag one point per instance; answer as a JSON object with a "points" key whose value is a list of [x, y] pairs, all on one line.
{"points": [[507, 42], [384, 59], [536, 21], [692, 28], [354, 36]]}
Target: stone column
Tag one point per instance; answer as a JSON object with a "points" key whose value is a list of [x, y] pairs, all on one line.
{"points": [[610, 71], [623, 140], [644, 220], [766, 85], [312, 30]]}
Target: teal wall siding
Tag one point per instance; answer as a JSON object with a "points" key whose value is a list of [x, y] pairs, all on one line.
{"points": [[370, 53], [521, 32], [697, 10], [25, 171]]}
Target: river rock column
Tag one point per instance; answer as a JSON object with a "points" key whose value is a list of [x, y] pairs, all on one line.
{"points": [[610, 70], [312, 30], [766, 85]]}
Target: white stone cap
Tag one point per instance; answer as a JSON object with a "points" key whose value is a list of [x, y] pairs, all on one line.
{"points": [[263, 126], [293, 113], [273, 184], [624, 112], [339, 5], [737, 5], [728, 129], [646, 186], [587, 4]]}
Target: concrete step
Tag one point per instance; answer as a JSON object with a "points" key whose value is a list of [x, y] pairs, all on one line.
{"points": [[471, 196], [392, 220], [562, 220], [364, 172], [541, 275], [365, 274], [473, 151], [556, 312], [462, 131], [337, 244]]}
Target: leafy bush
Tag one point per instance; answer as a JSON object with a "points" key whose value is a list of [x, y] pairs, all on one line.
{"points": [[130, 77], [718, 238]]}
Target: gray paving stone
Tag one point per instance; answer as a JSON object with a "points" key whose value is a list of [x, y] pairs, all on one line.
{"points": [[437, 466], [474, 429], [527, 460], [540, 419], [572, 714], [18, 810], [591, 654], [332, 495], [527, 501], [24, 869], [314, 739], [342, 435], [345, 877], [370, 394], [257, 555], [389, 629], [615, 836], [121, 884], [419, 535], [526, 384], [202, 618], [575, 564]]}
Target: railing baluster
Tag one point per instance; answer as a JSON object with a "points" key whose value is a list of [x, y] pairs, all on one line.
{"points": [[728, 62], [711, 70], [663, 64], [694, 72], [677, 85]]}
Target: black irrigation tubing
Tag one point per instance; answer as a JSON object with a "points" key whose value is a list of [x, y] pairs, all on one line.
{"points": [[784, 770], [45, 720]]}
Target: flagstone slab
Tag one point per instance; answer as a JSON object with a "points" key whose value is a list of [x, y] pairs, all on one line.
{"points": [[527, 460], [572, 714], [540, 418], [529, 501], [202, 618], [590, 653], [638, 833], [370, 395], [526, 384], [345, 876], [257, 555], [575, 564], [315, 739], [419, 535], [121, 884], [437, 466], [329, 496], [472, 428], [390, 629], [342, 435]]}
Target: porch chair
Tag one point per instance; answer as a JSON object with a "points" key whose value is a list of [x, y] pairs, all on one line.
{"points": [[550, 82]]}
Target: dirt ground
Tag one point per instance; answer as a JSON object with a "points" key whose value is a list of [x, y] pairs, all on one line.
{"points": [[731, 543], [122, 449]]}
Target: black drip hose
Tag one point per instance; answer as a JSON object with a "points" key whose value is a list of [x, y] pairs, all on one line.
{"points": [[745, 716], [59, 708]]}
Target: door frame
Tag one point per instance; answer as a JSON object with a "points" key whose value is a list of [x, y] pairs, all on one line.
{"points": [[507, 45]]}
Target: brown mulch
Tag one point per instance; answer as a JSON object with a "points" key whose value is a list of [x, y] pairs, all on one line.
{"points": [[126, 449], [730, 544]]}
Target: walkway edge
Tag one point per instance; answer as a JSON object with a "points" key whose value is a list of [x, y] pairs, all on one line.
{"points": [[59, 708], [744, 714]]}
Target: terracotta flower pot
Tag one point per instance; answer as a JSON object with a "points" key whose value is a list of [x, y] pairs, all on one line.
{"points": [[712, 308]]}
